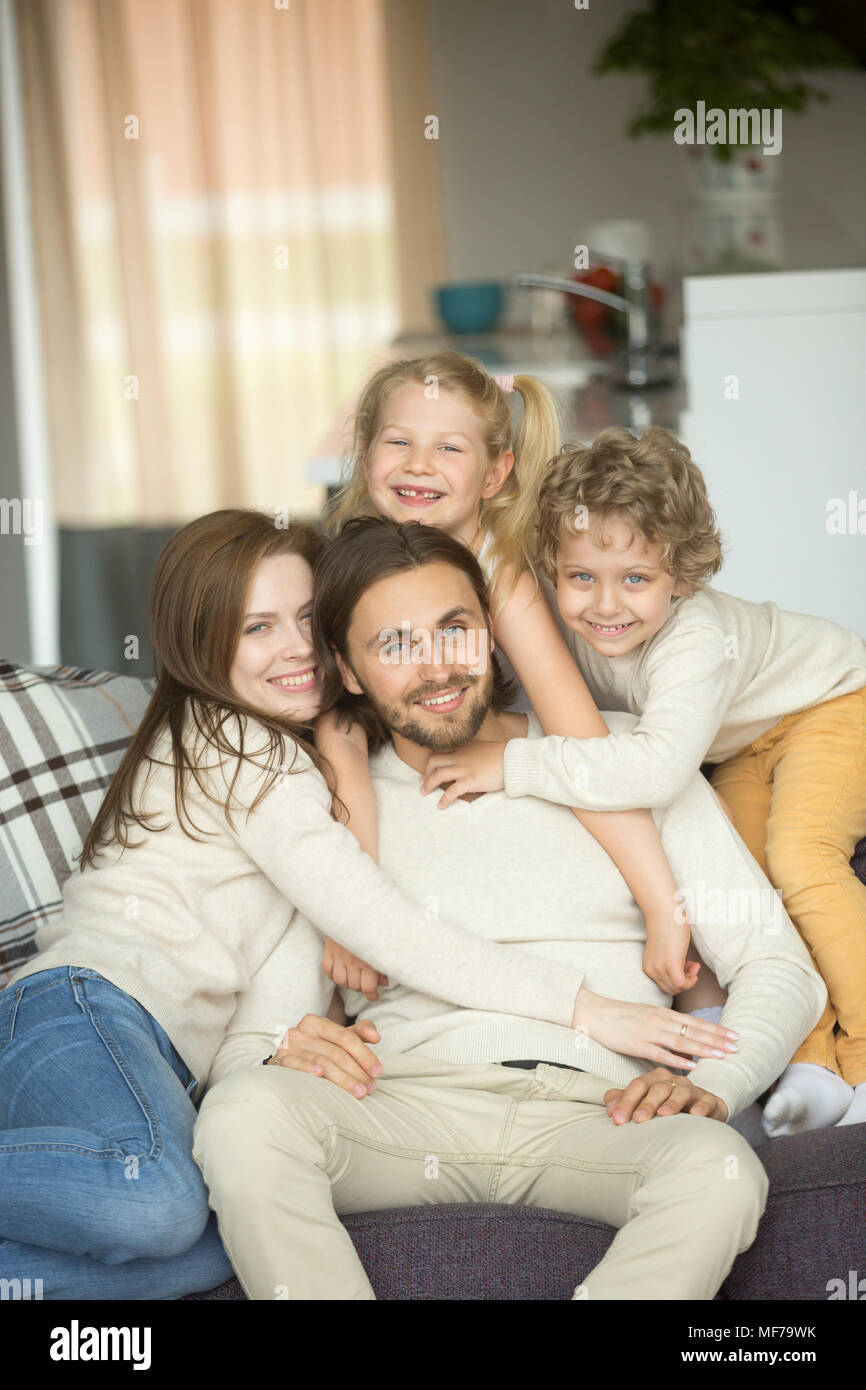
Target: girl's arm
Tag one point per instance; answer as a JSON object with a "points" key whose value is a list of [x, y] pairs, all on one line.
{"points": [[344, 745], [531, 640]]}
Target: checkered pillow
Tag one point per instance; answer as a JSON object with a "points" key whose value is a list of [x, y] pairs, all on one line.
{"points": [[62, 734]]}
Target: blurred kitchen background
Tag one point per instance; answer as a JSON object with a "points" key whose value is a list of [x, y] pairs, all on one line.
{"points": [[218, 216]]}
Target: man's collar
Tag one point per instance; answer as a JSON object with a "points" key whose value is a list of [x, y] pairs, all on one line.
{"points": [[386, 762]]}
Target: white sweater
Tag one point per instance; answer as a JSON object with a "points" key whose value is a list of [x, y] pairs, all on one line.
{"points": [[184, 925], [528, 874], [719, 673]]}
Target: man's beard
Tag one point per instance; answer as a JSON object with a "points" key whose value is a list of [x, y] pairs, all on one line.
{"points": [[450, 730]]}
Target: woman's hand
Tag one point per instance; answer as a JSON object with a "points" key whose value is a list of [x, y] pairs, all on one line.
{"points": [[476, 767], [664, 956], [653, 1094], [644, 1030], [350, 972], [325, 1048]]}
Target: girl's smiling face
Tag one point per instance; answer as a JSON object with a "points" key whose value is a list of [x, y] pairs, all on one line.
{"points": [[274, 669], [428, 462]]}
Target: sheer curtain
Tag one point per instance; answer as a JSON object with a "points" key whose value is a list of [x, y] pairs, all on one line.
{"points": [[234, 210]]}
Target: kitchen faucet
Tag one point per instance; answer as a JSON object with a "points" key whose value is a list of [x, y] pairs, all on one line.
{"points": [[639, 365]]}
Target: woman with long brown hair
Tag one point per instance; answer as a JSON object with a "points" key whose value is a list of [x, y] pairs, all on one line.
{"points": [[217, 826]]}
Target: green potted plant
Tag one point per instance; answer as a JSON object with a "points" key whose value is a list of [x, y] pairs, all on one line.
{"points": [[728, 56]]}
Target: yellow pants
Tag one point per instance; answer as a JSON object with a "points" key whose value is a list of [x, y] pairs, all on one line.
{"points": [[798, 799]]}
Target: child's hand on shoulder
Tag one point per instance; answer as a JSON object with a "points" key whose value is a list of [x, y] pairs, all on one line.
{"points": [[476, 767], [336, 730]]}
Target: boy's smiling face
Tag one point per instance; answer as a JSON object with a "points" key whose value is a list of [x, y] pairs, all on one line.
{"points": [[616, 595]]}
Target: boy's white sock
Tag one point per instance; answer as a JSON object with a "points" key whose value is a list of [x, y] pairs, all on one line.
{"points": [[856, 1112], [807, 1097]]}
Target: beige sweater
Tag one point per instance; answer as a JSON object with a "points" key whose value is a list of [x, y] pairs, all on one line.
{"points": [[184, 926], [527, 874], [719, 673]]}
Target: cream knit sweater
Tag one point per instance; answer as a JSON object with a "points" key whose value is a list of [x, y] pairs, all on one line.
{"points": [[184, 926], [527, 874], [719, 673]]}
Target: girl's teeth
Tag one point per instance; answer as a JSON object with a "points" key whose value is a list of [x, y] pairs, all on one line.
{"points": [[411, 492]]}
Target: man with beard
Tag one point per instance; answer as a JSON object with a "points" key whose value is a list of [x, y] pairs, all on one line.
{"points": [[485, 1107]]}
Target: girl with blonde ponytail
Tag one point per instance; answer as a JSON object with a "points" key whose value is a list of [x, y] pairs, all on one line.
{"points": [[434, 442]]}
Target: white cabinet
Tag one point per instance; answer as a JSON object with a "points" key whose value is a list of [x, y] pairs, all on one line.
{"points": [[775, 367]]}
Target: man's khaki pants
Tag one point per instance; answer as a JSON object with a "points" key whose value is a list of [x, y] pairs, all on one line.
{"points": [[284, 1152]]}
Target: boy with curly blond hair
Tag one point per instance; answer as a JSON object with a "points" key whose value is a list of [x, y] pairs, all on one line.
{"points": [[775, 700]]}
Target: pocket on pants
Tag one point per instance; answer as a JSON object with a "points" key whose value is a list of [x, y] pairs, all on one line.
{"points": [[10, 998]]}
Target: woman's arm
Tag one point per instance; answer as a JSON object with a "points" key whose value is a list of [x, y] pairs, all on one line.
{"points": [[319, 867]]}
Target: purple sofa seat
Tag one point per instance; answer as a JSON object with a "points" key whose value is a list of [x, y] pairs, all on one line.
{"points": [[813, 1231]]}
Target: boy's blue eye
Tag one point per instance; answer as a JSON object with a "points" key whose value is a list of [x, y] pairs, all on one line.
{"points": [[639, 577]]}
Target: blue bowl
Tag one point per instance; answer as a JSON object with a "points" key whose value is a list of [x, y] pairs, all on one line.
{"points": [[472, 307]]}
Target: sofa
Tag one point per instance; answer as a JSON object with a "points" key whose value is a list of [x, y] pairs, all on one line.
{"points": [[62, 733]]}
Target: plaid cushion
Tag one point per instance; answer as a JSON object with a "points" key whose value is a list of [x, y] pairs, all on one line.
{"points": [[62, 734]]}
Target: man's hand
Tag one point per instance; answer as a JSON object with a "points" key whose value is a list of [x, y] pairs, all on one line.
{"points": [[653, 1095], [476, 767], [325, 1048], [350, 972]]}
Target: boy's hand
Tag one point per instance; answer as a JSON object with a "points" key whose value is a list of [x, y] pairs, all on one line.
{"points": [[653, 1094], [325, 1048], [350, 971], [664, 956], [476, 767]]}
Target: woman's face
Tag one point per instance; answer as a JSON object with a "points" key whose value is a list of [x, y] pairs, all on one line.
{"points": [[274, 669]]}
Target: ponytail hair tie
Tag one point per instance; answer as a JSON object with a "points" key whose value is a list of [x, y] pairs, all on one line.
{"points": [[505, 383]]}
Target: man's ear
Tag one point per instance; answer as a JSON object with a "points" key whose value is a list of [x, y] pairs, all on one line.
{"points": [[349, 679]]}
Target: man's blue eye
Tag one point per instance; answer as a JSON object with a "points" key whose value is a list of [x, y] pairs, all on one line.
{"points": [[452, 627]]}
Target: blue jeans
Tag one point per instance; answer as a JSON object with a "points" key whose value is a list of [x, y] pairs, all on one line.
{"points": [[99, 1194]]}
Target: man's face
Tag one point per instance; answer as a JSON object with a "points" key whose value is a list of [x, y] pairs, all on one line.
{"points": [[434, 689]]}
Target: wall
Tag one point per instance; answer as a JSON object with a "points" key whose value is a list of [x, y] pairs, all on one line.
{"points": [[14, 634], [533, 146]]}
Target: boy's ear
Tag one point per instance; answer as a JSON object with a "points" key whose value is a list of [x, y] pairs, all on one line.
{"points": [[349, 679]]}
